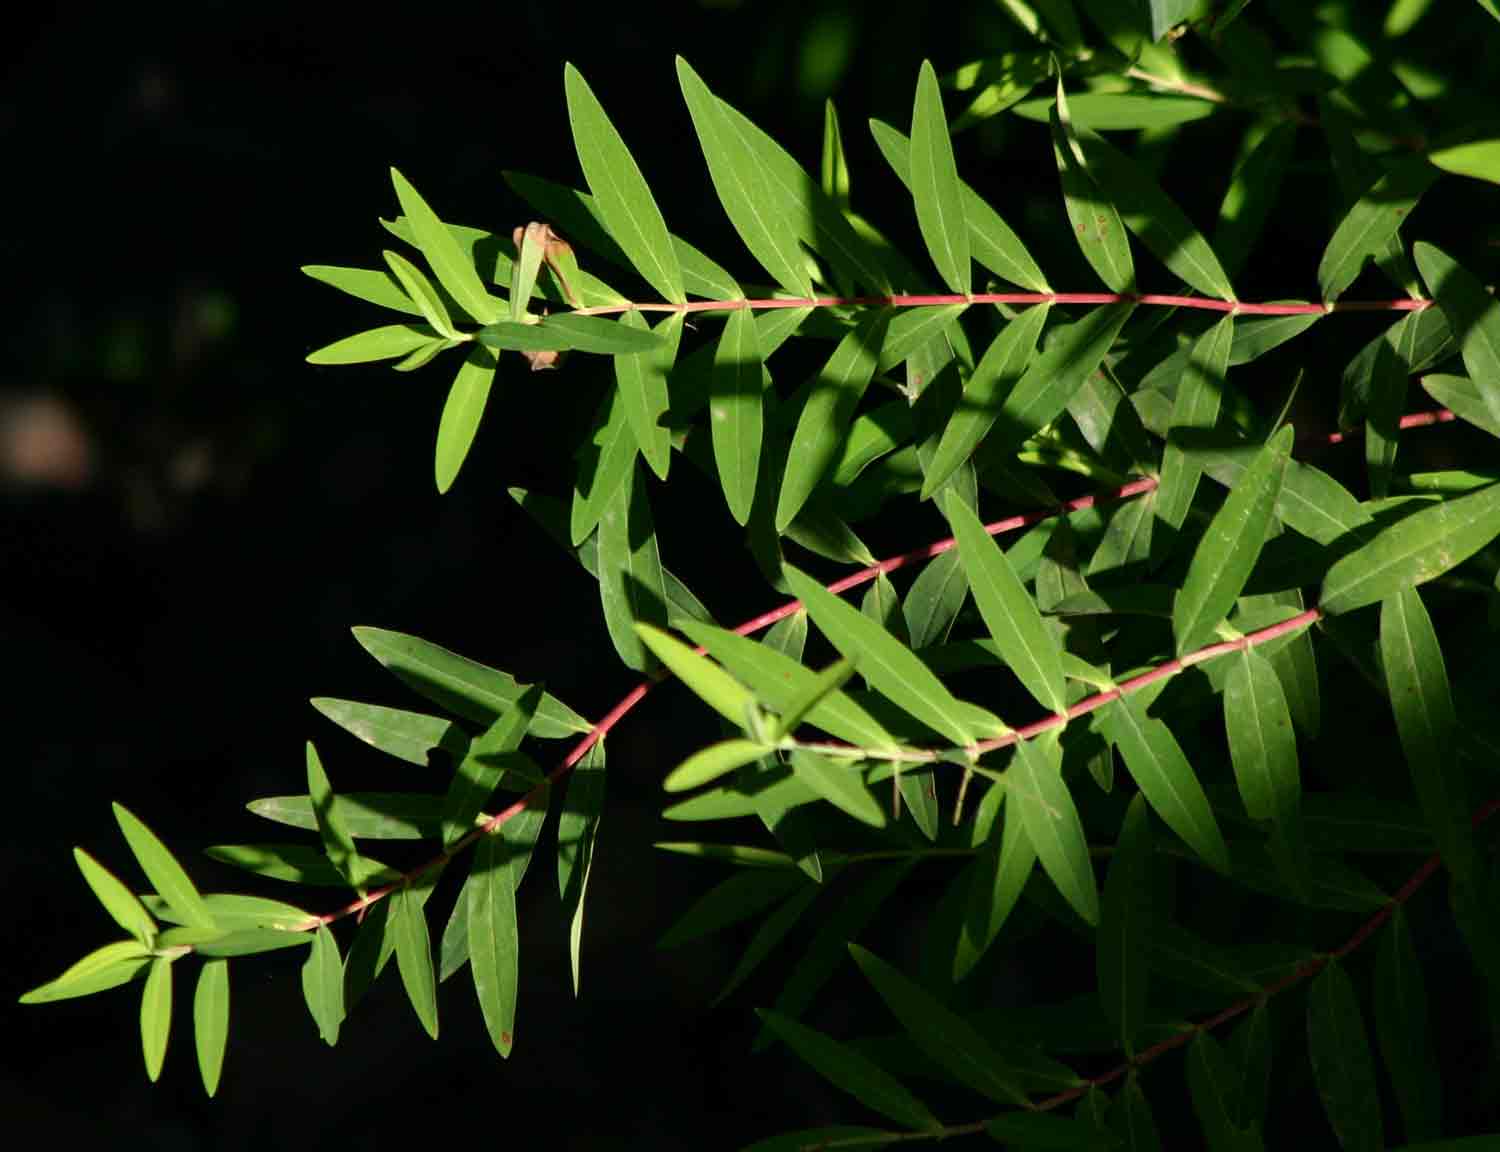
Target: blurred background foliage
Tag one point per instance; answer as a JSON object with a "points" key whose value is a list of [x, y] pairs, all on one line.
{"points": [[194, 517]]}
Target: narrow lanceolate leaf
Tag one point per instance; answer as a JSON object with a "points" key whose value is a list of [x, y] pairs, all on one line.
{"points": [[1154, 218], [1463, 396], [156, 1015], [944, 1035], [935, 186], [323, 985], [1472, 314], [620, 191], [708, 764], [1051, 822], [211, 1021], [414, 957], [1042, 394], [1426, 722], [1009, 612], [408, 736], [710, 683], [1261, 744], [567, 331], [632, 587], [479, 772], [819, 437], [1412, 551], [1477, 159], [449, 262], [461, 414], [890, 667], [834, 170], [386, 343], [1200, 394], [1211, 1080], [642, 380], [841, 783], [1341, 1063], [422, 293], [1371, 224], [856, 1074], [338, 844], [997, 877], [1156, 763], [735, 414], [161, 868], [739, 182], [1402, 1030], [577, 830], [102, 969], [118, 900], [780, 681], [1125, 928], [463, 686], [744, 894], [1096, 221], [369, 284], [494, 943], [1230, 546], [1253, 190], [986, 389]]}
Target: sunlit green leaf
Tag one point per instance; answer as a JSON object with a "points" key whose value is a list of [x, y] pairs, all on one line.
{"points": [[385, 343], [323, 985], [935, 187], [422, 293], [1261, 744], [104, 968], [841, 783], [621, 192], [577, 831], [338, 845], [1472, 314], [490, 756], [461, 414], [409, 736], [156, 1015], [995, 881], [162, 869], [1371, 224], [366, 815], [735, 414], [1096, 222], [494, 942], [369, 284], [642, 380], [414, 957], [1121, 111], [117, 899], [211, 1021], [1051, 822], [450, 264], [1478, 159]]}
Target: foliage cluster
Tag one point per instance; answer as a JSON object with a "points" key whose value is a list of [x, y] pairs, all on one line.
{"points": [[1118, 725]]}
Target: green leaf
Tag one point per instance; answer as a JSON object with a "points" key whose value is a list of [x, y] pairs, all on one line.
{"points": [[945, 1036], [710, 763], [568, 331], [991, 241], [409, 736], [246, 941], [824, 684], [1477, 159], [891, 668], [1401, 1027], [384, 343], [1051, 821], [995, 882], [1261, 744], [1463, 396], [632, 587], [735, 414], [1125, 926], [452, 266], [845, 1068], [1196, 405], [211, 1021], [323, 985], [577, 830], [642, 380], [710, 683], [825, 417], [741, 186], [494, 942], [834, 170], [1096, 222], [620, 191], [1254, 336], [1010, 614], [841, 783], [117, 899], [156, 1015], [1042, 394], [489, 757], [1473, 315], [986, 389], [1210, 1076], [461, 414], [338, 845], [102, 969], [1149, 213], [1121, 111], [297, 864], [423, 294], [366, 815], [1341, 1063], [1412, 551], [368, 284], [604, 467], [780, 682], [1253, 189], [1427, 724], [1230, 546], [162, 869], [465, 687], [1371, 224], [414, 957], [935, 186], [1161, 771], [1166, 14], [232, 910], [773, 929], [743, 895]]}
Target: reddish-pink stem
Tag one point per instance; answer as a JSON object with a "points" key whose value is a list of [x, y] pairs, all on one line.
{"points": [[1150, 299]]}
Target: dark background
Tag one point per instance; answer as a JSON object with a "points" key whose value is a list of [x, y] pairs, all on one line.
{"points": [[195, 517]]}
